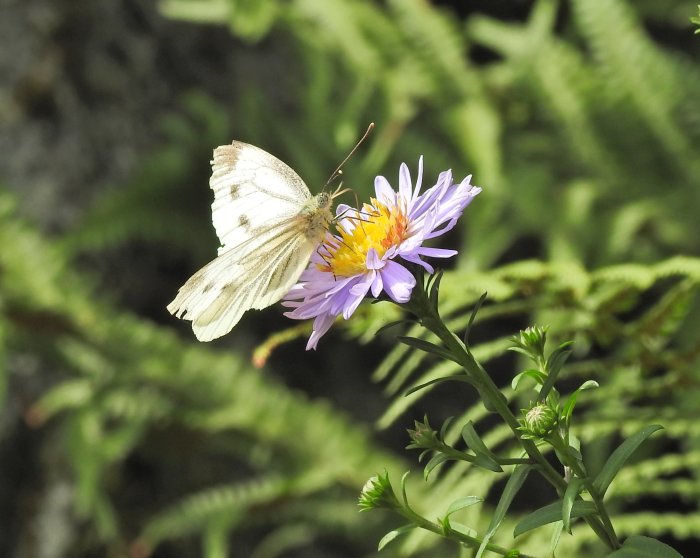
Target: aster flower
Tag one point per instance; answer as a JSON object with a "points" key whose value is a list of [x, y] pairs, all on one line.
{"points": [[362, 257]]}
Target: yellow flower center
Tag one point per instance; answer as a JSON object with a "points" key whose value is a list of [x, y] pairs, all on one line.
{"points": [[377, 227]]}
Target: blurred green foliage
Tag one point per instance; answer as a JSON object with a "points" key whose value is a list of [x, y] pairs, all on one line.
{"points": [[579, 119]]}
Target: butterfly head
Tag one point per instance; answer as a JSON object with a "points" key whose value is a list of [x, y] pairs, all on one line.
{"points": [[318, 216], [320, 213]]}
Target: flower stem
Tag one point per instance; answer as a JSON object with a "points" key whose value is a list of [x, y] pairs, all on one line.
{"points": [[472, 542], [570, 461], [430, 318]]}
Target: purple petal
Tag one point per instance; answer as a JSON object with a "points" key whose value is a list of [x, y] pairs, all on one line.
{"points": [[373, 261], [415, 258], [405, 184], [385, 193], [398, 282], [377, 285], [324, 296], [358, 292], [419, 179], [321, 325], [436, 252]]}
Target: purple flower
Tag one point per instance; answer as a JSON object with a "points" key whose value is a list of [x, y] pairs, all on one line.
{"points": [[361, 258]]}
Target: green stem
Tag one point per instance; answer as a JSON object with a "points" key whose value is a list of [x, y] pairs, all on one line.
{"points": [[488, 390], [472, 542], [463, 456], [570, 461]]}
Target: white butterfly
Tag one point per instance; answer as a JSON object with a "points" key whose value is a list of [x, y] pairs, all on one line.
{"points": [[268, 224]]}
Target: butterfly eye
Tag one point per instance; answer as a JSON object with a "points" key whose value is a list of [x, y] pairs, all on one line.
{"points": [[324, 199]]}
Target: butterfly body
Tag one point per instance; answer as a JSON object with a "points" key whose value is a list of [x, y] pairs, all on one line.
{"points": [[318, 215], [268, 224]]}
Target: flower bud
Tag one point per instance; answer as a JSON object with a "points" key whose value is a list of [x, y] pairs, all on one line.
{"points": [[539, 420], [378, 493], [532, 340], [423, 436]]}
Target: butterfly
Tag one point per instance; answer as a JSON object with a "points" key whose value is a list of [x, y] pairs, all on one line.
{"points": [[268, 224]]}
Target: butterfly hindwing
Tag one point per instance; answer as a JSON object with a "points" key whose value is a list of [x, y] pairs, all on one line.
{"points": [[217, 295]]}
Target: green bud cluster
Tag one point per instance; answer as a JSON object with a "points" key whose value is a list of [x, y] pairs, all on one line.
{"points": [[539, 420], [531, 341], [423, 436], [378, 493]]}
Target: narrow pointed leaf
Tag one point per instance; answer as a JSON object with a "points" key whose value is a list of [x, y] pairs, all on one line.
{"points": [[558, 357], [513, 486], [556, 535], [391, 535], [568, 501], [462, 503], [422, 454], [520, 350], [476, 444], [435, 289], [458, 378], [620, 456], [439, 459], [644, 547], [568, 409], [427, 347], [403, 489], [394, 323], [536, 375], [486, 462], [476, 309], [554, 363], [462, 529], [550, 514], [444, 427]]}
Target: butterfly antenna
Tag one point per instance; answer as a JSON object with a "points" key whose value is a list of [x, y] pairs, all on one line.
{"points": [[337, 172], [359, 212]]}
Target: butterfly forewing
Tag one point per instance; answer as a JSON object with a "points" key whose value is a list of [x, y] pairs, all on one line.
{"points": [[252, 189]]}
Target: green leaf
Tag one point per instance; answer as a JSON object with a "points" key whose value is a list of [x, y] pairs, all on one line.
{"points": [[458, 378], [422, 454], [485, 462], [403, 489], [644, 547], [460, 528], [568, 409], [568, 501], [556, 535], [391, 535], [554, 363], [513, 486], [462, 503], [427, 347], [444, 427], [435, 289], [536, 375], [393, 324], [551, 513], [476, 309], [558, 357], [620, 456], [476, 444], [439, 459], [521, 350]]}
